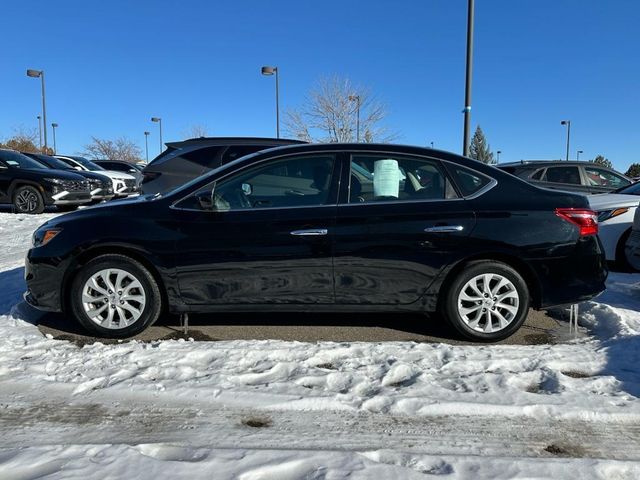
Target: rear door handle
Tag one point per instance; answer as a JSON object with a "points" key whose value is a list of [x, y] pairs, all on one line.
{"points": [[444, 229], [310, 232]]}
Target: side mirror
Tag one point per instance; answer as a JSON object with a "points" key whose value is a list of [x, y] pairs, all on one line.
{"points": [[77, 168], [247, 189], [205, 200]]}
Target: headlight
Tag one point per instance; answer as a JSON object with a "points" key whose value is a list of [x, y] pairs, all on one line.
{"points": [[605, 215], [57, 181], [44, 236]]}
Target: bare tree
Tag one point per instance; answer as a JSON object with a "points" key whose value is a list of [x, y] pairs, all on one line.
{"points": [[24, 140], [119, 149], [195, 131], [329, 114]]}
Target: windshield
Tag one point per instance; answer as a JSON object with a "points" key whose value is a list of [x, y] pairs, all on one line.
{"points": [[633, 189], [87, 164], [18, 160]]}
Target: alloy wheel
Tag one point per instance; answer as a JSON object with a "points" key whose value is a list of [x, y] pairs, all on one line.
{"points": [[113, 298], [488, 303], [27, 201]]}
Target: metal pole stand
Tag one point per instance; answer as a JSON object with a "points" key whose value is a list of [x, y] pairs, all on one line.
{"points": [[184, 323], [573, 319]]}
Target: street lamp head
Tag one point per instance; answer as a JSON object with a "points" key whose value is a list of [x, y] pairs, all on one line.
{"points": [[34, 73], [155, 119], [38, 117], [354, 98], [580, 151], [147, 133], [54, 125], [564, 122], [267, 70], [499, 152]]}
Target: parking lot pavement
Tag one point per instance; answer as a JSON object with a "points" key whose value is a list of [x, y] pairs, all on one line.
{"points": [[540, 328]]}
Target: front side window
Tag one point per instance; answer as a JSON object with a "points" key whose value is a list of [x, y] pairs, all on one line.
{"points": [[604, 178], [292, 182], [379, 178], [570, 175]]}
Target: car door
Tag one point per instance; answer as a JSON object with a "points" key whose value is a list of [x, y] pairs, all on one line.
{"points": [[266, 238], [600, 180], [399, 223]]}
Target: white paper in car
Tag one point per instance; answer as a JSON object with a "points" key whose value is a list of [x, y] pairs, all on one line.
{"points": [[386, 178]]}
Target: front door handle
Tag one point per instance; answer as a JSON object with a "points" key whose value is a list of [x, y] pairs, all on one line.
{"points": [[310, 232], [444, 229]]}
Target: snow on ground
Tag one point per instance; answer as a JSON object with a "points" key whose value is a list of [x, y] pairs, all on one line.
{"points": [[280, 410]]}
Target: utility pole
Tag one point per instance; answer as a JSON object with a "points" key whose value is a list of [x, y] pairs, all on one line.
{"points": [[467, 94]]}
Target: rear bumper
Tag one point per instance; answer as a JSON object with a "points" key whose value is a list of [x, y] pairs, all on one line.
{"points": [[575, 278], [632, 249]]}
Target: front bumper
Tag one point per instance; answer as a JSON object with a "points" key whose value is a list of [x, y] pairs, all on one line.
{"points": [[44, 283], [632, 249], [125, 188], [66, 197]]}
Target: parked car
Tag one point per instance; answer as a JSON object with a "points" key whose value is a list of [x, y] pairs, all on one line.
{"points": [[121, 166], [615, 219], [29, 186], [632, 247], [186, 160], [100, 185], [583, 177], [123, 183], [296, 228]]}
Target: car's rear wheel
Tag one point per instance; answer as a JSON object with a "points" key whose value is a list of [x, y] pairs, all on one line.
{"points": [[28, 199], [487, 301], [622, 261], [115, 296]]}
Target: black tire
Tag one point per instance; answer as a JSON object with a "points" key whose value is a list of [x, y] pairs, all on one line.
{"points": [[152, 307], [622, 263], [27, 199], [448, 306], [66, 208]]}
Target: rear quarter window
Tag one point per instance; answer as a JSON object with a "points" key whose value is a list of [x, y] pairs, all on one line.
{"points": [[468, 181]]}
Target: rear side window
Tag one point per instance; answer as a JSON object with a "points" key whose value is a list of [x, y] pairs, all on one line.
{"points": [[206, 157], [469, 181], [569, 175], [233, 153], [379, 178], [538, 174]]}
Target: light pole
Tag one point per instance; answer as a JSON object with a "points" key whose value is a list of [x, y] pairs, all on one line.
{"points": [[498, 157], [432, 145], [146, 145], [568, 124], [35, 74], [159, 121], [40, 132], [467, 93], [578, 154], [356, 98], [54, 125], [268, 71]]}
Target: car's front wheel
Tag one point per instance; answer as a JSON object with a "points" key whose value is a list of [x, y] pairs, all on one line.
{"points": [[115, 296], [28, 199], [487, 301]]}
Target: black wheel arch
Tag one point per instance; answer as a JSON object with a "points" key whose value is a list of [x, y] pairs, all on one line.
{"points": [[126, 250], [520, 266], [19, 182]]}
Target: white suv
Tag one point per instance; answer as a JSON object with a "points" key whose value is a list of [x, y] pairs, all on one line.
{"points": [[123, 183]]}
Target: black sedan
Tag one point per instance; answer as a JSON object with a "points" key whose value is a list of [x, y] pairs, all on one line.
{"points": [[334, 227]]}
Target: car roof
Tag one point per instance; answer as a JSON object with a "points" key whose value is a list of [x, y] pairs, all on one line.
{"points": [[547, 163], [225, 141]]}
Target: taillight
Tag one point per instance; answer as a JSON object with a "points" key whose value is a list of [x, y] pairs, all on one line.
{"points": [[586, 220]]}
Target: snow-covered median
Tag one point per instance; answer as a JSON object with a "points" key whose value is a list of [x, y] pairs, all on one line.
{"points": [[275, 409]]}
